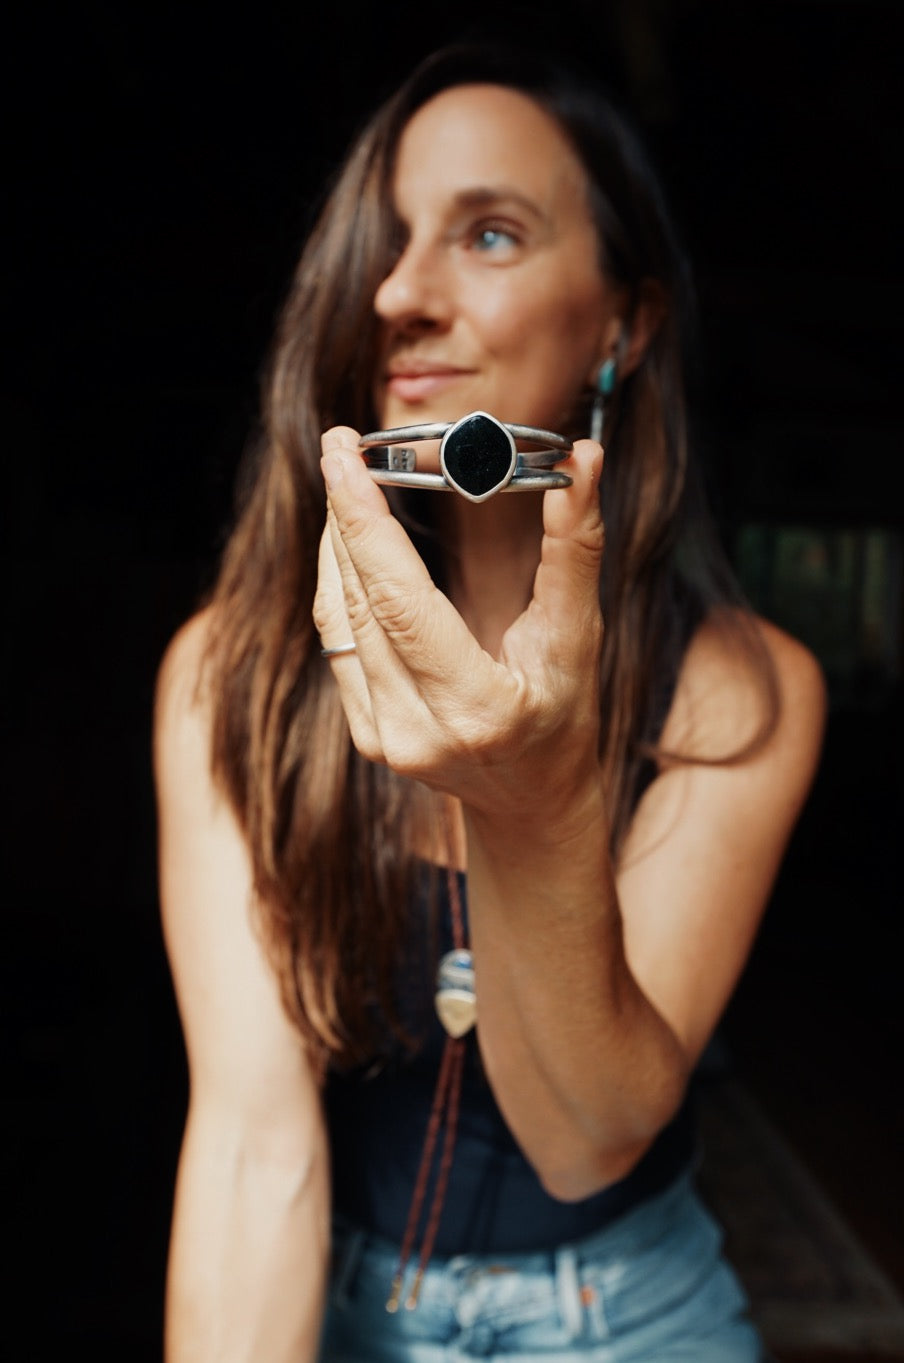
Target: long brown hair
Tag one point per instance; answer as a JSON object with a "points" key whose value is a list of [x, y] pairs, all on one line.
{"points": [[331, 835]]}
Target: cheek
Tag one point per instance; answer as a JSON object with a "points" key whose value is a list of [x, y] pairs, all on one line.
{"points": [[576, 313], [501, 317], [562, 323]]}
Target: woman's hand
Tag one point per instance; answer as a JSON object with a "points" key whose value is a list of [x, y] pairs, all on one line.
{"points": [[420, 693], [598, 985]]}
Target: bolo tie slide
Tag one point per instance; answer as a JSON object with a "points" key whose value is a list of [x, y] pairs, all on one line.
{"points": [[456, 1007]]}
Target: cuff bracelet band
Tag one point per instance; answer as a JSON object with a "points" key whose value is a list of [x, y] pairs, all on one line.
{"points": [[478, 457]]}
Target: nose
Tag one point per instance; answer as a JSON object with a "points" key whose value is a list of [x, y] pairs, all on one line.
{"points": [[415, 295]]}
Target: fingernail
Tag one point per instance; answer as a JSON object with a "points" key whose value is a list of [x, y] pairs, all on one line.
{"points": [[334, 466]]}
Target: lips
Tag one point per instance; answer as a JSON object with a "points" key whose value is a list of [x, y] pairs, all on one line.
{"points": [[418, 387], [414, 380]]}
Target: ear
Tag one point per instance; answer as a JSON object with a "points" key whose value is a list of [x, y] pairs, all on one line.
{"points": [[627, 338], [645, 321]]}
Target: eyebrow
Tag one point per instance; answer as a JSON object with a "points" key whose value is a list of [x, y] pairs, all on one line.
{"points": [[482, 196]]}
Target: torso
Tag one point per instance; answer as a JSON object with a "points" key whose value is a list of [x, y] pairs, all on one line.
{"points": [[377, 1118]]}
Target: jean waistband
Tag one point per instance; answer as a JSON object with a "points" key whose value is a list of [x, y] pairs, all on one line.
{"points": [[626, 1236]]}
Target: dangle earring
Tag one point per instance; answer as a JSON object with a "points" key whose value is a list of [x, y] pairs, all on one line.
{"points": [[605, 387]]}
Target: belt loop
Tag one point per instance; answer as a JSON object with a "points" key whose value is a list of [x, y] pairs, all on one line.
{"points": [[347, 1259], [568, 1289]]}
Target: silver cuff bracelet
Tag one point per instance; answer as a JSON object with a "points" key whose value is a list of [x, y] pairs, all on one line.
{"points": [[478, 457]]}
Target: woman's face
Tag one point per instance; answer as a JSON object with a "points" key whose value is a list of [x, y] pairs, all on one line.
{"points": [[497, 301]]}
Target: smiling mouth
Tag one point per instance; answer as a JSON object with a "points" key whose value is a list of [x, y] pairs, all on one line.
{"points": [[416, 382]]}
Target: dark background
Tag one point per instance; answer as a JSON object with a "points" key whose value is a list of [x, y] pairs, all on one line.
{"points": [[162, 164]]}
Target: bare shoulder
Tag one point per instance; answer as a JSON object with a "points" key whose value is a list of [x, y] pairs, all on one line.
{"points": [[197, 832], [184, 653], [743, 677], [710, 833], [182, 709], [801, 683], [179, 694], [194, 816]]}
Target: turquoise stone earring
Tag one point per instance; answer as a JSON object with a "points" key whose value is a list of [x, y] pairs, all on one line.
{"points": [[605, 387]]}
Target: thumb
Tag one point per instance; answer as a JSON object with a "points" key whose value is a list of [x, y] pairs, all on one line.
{"points": [[567, 584]]}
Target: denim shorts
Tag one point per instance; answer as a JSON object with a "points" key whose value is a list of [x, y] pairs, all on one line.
{"points": [[652, 1286]]}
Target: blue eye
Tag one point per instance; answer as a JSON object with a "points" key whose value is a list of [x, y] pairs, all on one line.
{"points": [[494, 238]]}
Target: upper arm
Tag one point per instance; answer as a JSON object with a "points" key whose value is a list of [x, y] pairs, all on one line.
{"points": [[246, 1060], [708, 839], [249, 1243]]}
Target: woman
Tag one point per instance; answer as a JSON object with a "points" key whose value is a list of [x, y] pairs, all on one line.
{"points": [[411, 724]]}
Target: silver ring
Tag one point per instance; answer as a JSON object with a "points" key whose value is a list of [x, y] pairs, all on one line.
{"points": [[477, 455], [338, 650]]}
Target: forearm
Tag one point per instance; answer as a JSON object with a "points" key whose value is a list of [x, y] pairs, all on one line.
{"points": [[584, 1068], [249, 1252]]}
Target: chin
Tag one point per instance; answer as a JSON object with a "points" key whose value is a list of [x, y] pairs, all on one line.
{"points": [[437, 408]]}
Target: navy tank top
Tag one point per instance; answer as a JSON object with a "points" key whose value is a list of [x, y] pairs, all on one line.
{"points": [[494, 1203]]}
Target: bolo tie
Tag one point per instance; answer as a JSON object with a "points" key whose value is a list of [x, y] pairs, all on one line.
{"points": [[456, 1008]]}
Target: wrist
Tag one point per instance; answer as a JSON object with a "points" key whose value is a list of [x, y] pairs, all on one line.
{"points": [[569, 826]]}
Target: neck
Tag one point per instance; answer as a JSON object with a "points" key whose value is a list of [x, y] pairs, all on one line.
{"points": [[492, 565]]}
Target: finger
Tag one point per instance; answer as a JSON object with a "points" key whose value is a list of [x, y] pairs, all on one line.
{"points": [[382, 685], [330, 616], [426, 673], [380, 695], [389, 594], [342, 463], [567, 584], [365, 513], [333, 625]]}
